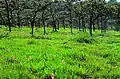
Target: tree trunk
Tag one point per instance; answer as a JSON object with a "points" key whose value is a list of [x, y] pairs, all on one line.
{"points": [[93, 26], [63, 23], [55, 26], [98, 23], [105, 24], [11, 18], [79, 23], [44, 27], [7, 8], [58, 24], [71, 21], [83, 24], [90, 25], [101, 24], [33, 22], [32, 26], [43, 22]]}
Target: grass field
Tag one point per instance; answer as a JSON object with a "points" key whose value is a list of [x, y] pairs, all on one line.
{"points": [[59, 55]]}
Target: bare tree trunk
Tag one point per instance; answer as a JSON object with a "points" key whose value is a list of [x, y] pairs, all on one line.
{"points": [[94, 26], [98, 23], [33, 22], [83, 24], [43, 22], [90, 25], [105, 24], [55, 26], [58, 24], [79, 21], [32, 26], [63, 23], [7, 8], [71, 21], [101, 24]]}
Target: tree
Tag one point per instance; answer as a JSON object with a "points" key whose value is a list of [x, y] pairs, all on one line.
{"points": [[32, 7], [69, 6], [7, 2], [94, 10]]}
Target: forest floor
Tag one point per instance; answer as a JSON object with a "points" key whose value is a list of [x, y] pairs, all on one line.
{"points": [[60, 55]]}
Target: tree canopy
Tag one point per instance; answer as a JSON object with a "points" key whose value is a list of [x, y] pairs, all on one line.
{"points": [[81, 14]]}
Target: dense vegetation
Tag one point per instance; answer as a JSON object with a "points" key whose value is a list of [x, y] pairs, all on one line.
{"points": [[59, 54], [59, 39]]}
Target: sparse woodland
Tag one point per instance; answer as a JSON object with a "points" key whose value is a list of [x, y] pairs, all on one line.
{"points": [[82, 15], [59, 39]]}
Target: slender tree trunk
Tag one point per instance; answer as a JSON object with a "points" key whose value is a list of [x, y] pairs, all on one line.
{"points": [[71, 21], [83, 24], [7, 8], [79, 23], [58, 24], [32, 26], [98, 23], [33, 22], [105, 24], [63, 23], [93, 26], [44, 27], [101, 24], [90, 25], [55, 26], [11, 18], [43, 22]]}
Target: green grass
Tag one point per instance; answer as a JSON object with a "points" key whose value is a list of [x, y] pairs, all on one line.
{"points": [[67, 56]]}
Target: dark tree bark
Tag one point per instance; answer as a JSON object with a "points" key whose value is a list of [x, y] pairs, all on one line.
{"points": [[58, 24], [32, 26], [79, 22], [54, 26], [98, 23], [105, 25], [7, 8], [43, 21], [101, 24], [33, 22], [90, 25], [71, 21], [94, 26], [63, 23], [83, 24]]}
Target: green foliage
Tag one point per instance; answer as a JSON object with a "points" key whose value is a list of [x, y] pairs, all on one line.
{"points": [[60, 54]]}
